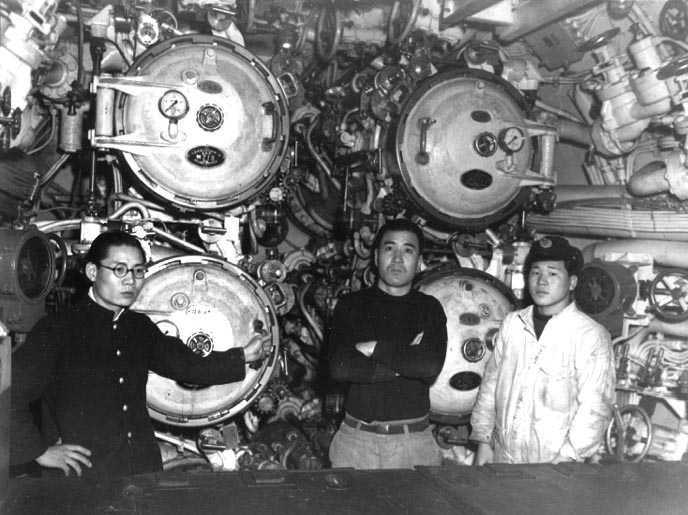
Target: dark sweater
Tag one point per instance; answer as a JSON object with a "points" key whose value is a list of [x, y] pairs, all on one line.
{"points": [[539, 322], [91, 374], [393, 383]]}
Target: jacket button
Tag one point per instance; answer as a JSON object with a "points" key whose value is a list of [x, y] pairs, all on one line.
{"points": [[129, 434], [118, 353], [121, 380], [125, 407]]}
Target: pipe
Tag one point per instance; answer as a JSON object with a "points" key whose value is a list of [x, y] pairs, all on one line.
{"points": [[572, 131], [123, 197], [575, 132], [52, 171], [59, 225], [317, 331], [177, 442], [666, 253], [160, 252], [178, 241], [583, 102], [361, 251], [547, 144], [367, 207], [573, 193], [679, 329], [143, 210], [555, 110], [318, 158], [618, 221], [649, 180]]}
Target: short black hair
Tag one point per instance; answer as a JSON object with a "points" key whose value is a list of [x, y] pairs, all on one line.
{"points": [[105, 241], [555, 248], [399, 224]]}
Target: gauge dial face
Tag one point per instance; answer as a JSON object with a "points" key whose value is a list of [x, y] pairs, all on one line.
{"points": [[210, 117], [173, 104], [512, 139]]}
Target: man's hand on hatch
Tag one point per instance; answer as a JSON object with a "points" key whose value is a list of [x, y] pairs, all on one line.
{"points": [[417, 339], [366, 348], [257, 348]]}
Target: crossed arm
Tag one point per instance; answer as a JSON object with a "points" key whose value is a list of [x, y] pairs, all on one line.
{"points": [[373, 361]]}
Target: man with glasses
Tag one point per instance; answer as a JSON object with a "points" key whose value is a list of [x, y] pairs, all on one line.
{"points": [[92, 364]]}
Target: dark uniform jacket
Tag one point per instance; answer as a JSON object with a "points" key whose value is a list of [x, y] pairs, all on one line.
{"points": [[91, 370], [394, 383]]}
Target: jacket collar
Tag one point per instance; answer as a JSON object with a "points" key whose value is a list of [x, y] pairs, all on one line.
{"points": [[111, 314], [526, 315]]}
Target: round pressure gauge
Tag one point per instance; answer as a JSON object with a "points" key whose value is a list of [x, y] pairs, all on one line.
{"points": [[173, 104], [512, 139]]}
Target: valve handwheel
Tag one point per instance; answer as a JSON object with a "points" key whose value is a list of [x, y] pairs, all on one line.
{"points": [[629, 434], [668, 296], [673, 19], [401, 20], [328, 32]]}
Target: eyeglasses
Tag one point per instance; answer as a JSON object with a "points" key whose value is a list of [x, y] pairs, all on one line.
{"points": [[120, 270]]}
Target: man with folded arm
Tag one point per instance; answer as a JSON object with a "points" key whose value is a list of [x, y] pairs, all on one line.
{"points": [[388, 344]]}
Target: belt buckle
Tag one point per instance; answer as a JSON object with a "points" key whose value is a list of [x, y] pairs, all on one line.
{"points": [[386, 428]]}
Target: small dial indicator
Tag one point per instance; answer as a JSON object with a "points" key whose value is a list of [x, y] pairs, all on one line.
{"points": [[173, 104], [512, 139], [210, 117]]}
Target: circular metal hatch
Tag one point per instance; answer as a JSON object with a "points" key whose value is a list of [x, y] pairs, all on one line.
{"points": [[475, 304], [211, 305], [448, 154], [226, 143], [27, 275]]}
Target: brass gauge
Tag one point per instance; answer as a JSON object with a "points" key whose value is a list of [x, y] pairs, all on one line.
{"points": [[512, 139], [173, 104]]}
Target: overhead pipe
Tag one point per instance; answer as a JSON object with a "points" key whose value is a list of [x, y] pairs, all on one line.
{"points": [[569, 130], [666, 253], [649, 180], [573, 132], [583, 192], [615, 221]]}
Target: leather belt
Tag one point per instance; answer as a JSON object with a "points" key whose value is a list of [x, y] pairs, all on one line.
{"points": [[391, 428]]}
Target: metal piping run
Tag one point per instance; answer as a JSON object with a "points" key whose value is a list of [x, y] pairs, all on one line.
{"points": [[614, 222], [666, 253], [649, 180], [572, 193]]}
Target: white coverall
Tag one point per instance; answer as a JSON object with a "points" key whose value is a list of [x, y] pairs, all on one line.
{"points": [[546, 400]]}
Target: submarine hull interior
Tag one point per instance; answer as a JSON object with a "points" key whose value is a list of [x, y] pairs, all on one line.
{"points": [[254, 148]]}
